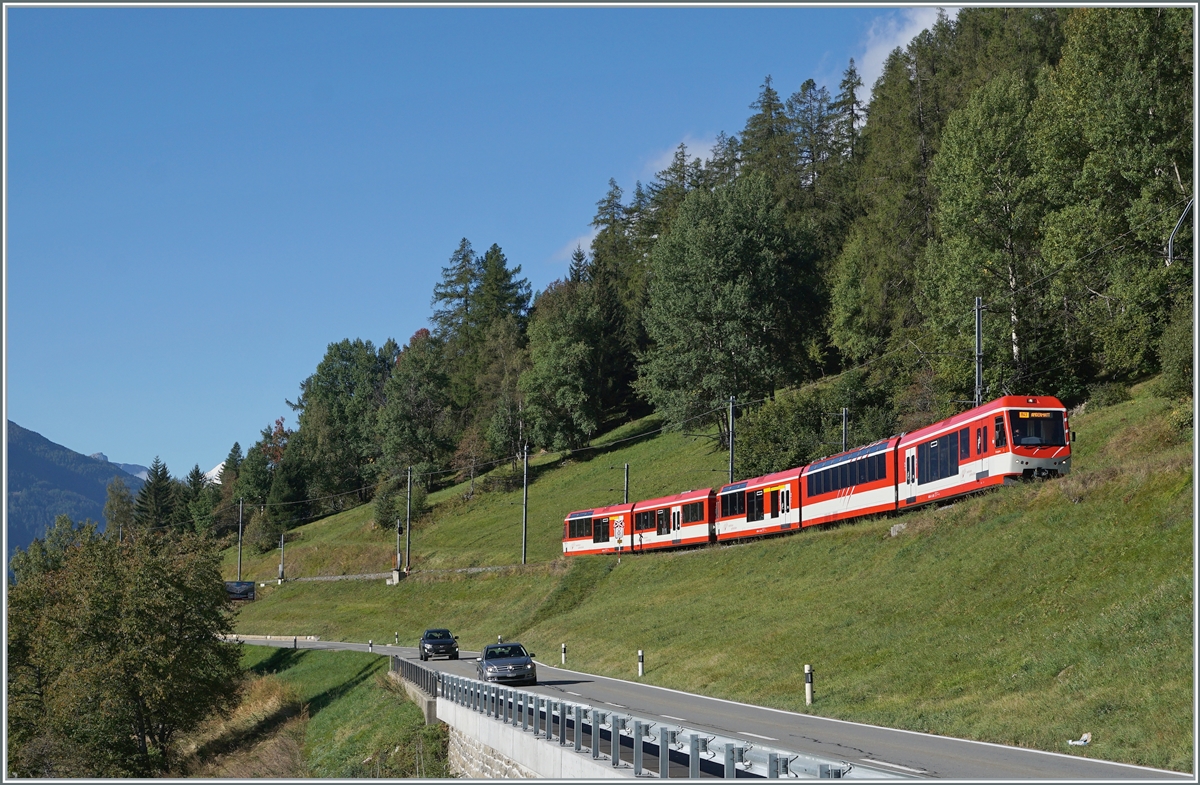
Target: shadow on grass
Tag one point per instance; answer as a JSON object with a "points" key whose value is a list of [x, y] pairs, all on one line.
{"points": [[244, 737], [280, 660], [323, 699]]}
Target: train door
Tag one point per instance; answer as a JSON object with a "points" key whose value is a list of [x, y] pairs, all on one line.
{"points": [[910, 475], [600, 530], [676, 520]]}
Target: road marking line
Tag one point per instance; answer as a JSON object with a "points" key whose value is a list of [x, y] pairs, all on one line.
{"points": [[576, 694], [893, 765], [668, 716], [619, 706], [755, 735]]}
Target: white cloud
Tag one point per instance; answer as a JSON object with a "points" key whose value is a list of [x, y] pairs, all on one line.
{"points": [[891, 30], [583, 241]]}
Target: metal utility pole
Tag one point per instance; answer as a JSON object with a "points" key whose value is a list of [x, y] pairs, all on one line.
{"points": [[626, 484], [978, 351], [845, 426], [1171, 239], [524, 502], [731, 402], [397, 543], [408, 526], [239, 540], [281, 557]]}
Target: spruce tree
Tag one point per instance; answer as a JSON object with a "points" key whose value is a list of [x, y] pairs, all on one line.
{"points": [[155, 505], [580, 269]]}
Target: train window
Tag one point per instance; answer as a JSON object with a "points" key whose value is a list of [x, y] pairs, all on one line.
{"points": [[600, 531], [937, 459], [881, 467], [979, 441], [964, 444], [733, 504], [872, 469], [693, 512], [1001, 435], [664, 525], [811, 485], [785, 500], [754, 505], [843, 477], [775, 504], [643, 521], [580, 527], [1031, 428], [986, 443]]}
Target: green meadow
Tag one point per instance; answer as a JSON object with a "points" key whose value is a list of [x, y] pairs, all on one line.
{"points": [[1027, 616]]}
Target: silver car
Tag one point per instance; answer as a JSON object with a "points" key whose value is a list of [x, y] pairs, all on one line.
{"points": [[506, 663]]}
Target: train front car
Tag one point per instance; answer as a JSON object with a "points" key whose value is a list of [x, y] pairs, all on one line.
{"points": [[858, 482], [674, 521], [602, 530], [1010, 438], [759, 506]]}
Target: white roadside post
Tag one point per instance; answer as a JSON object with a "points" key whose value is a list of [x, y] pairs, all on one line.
{"points": [[808, 685], [641, 664], [564, 654]]}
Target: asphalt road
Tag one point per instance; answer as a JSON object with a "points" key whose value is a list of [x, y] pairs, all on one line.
{"points": [[919, 754]]}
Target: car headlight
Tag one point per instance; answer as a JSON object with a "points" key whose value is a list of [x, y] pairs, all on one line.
{"points": [[529, 667], [491, 669]]}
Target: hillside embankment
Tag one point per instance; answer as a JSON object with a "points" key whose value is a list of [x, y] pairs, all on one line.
{"points": [[1027, 616]]}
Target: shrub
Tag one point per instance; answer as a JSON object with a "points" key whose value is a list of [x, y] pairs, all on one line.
{"points": [[261, 534], [1175, 354], [1107, 394]]}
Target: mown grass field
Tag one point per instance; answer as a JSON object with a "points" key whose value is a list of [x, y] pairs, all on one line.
{"points": [[1026, 616]]}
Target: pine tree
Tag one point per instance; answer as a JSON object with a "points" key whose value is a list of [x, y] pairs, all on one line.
{"points": [[155, 505], [500, 293], [848, 107], [580, 269], [455, 295], [768, 144]]}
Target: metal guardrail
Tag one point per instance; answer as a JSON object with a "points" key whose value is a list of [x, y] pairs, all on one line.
{"points": [[425, 678], [611, 735]]}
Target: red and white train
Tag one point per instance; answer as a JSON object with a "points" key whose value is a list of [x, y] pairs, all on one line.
{"points": [[1010, 438]]}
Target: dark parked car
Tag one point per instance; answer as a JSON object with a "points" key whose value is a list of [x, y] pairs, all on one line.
{"points": [[438, 643], [506, 663]]}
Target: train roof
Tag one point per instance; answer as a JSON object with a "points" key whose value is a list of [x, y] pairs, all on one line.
{"points": [[851, 455], [678, 498], [766, 479], [613, 509], [1004, 403]]}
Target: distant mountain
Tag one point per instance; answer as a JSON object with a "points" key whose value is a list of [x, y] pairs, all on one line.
{"points": [[46, 480], [214, 474], [137, 470]]}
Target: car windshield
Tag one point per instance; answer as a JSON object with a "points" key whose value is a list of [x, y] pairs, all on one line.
{"points": [[1032, 429], [437, 635], [501, 652]]}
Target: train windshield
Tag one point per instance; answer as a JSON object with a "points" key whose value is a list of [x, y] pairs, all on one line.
{"points": [[1037, 429]]}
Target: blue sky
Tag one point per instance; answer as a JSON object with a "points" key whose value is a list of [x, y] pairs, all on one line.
{"points": [[200, 200]]}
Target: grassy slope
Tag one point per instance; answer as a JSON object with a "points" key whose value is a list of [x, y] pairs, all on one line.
{"points": [[358, 724], [1024, 616]]}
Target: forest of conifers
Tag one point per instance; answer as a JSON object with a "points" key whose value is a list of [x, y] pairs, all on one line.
{"points": [[828, 255]]}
